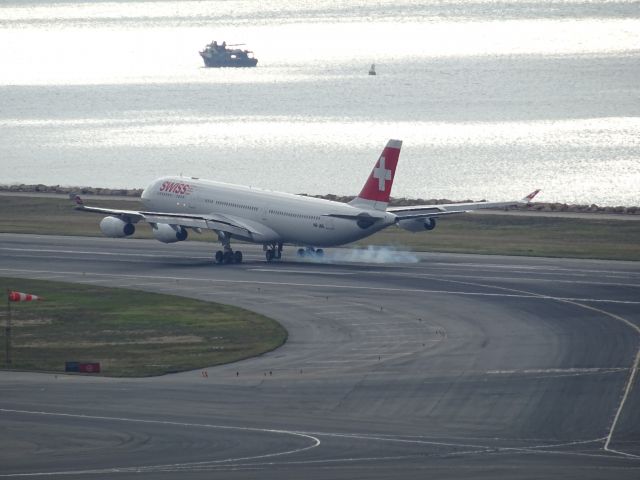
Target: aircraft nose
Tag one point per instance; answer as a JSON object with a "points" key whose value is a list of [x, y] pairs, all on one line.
{"points": [[147, 192]]}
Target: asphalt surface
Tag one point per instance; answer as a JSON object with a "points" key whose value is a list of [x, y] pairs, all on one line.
{"points": [[397, 366]]}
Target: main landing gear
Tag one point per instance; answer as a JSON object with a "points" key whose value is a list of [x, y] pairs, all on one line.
{"points": [[272, 251], [310, 252], [227, 255]]}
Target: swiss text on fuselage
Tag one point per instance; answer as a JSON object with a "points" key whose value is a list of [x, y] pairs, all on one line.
{"points": [[175, 187]]}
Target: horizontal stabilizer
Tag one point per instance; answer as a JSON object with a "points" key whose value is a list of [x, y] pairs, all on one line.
{"points": [[416, 216]]}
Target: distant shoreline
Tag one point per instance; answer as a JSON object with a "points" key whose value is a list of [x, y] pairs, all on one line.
{"points": [[134, 193]]}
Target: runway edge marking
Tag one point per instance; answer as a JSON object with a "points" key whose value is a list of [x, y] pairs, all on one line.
{"points": [[520, 294], [161, 467]]}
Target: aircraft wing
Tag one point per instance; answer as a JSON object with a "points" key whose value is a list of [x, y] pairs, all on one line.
{"points": [[130, 215], [214, 221], [355, 217], [427, 211]]}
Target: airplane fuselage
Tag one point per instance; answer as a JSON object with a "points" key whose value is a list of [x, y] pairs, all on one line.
{"points": [[271, 216], [173, 205]]}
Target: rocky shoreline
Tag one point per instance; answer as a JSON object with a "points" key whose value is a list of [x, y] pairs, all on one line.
{"points": [[136, 192], [115, 192]]}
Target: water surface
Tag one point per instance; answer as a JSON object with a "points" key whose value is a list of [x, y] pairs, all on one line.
{"points": [[492, 99]]}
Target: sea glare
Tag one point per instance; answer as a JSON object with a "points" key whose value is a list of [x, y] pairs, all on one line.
{"points": [[492, 99]]}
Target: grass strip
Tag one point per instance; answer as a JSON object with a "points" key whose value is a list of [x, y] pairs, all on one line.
{"points": [[471, 233], [131, 333], [522, 235]]}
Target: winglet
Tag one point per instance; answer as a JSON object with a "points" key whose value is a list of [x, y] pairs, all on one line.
{"points": [[529, 197], [76, 198]]}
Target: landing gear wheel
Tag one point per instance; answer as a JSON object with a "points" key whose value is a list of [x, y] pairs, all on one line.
{"points": [[237, 256], [219, 256], [272, 251], [228, 257]]}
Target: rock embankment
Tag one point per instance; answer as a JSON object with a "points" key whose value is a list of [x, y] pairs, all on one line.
{"points": [[116, 192], [136, 192]]}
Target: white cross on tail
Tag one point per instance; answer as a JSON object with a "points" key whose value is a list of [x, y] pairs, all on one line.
{"points": [[382, 174]]}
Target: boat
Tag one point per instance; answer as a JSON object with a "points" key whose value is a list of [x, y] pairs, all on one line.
{"points": [[372, 70], [219, 55]]}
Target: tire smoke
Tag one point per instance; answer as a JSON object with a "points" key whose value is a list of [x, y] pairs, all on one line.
{"points": [[371, 254]]}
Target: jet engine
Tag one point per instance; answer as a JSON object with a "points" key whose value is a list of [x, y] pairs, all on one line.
{"points": [[169, 233], [418, 225], [115, 227]]}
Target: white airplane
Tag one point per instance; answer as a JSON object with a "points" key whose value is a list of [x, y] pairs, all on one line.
{"points": [[175, 204]]}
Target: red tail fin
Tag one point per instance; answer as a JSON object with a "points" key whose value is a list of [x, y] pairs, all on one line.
{"points": [[376, 191]]}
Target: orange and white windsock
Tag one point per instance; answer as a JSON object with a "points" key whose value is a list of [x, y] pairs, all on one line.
{"points": [[22, 297]]}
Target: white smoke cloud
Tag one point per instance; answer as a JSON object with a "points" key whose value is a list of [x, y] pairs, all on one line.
{"points": [[371, 254]]}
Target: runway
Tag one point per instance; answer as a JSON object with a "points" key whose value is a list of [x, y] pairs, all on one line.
{"points": [[397, 366]]}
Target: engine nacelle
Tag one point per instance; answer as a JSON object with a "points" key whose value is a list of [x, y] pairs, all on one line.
{"points": [[116, 227], [169, 233], [418, 225]]}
